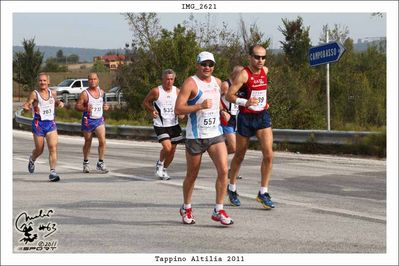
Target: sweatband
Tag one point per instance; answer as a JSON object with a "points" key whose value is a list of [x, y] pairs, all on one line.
{"points": [[241, 101]]}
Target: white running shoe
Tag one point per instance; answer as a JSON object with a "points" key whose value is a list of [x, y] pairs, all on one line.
{"points": [[159, 170], [31, 165], [187, 215], [165, 175], [86, 168], [101, 167], [222, 217]]}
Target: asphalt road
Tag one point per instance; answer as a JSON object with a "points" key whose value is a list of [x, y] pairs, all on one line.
{"points": [[324, 204]]}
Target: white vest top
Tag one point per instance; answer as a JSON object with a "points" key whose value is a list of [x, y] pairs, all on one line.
{"points": [[165, 105], [97, 104], [46, 107], [232, 108], [205, 123]]}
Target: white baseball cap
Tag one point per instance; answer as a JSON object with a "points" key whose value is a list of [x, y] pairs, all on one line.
{"points": [[203, 56]]}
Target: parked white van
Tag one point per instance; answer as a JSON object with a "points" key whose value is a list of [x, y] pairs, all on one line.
{"points": [[71, 86]]}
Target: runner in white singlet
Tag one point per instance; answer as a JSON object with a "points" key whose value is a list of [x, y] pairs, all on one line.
{"points": [[160, 103], [43, 102], [199, 98]]}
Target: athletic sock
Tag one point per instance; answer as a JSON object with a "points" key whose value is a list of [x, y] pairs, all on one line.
{"points": [[218, 207], [232, 187], [187, 206], [263, 190]]}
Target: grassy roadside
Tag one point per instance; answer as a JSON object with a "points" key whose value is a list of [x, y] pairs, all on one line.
{"points": [[373, 146]]}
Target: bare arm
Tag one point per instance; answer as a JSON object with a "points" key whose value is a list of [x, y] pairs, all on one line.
{"points": [[105, 104], [188, 90], [220, 83], [28, 104], [58, 103], [152, 96], [82, 101], [177, 92], [237, 83], [224, 88]]}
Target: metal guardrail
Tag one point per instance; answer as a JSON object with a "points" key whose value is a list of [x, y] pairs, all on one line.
{"points": [[66, 97], [292, 136]]}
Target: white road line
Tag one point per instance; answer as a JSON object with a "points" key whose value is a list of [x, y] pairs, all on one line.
{"points": [[211, 189]]}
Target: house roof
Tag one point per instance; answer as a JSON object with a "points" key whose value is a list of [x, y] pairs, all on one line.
{"points": [[113, 57]]}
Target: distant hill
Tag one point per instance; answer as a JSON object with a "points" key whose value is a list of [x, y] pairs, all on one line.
{"points": [[85, 54]]}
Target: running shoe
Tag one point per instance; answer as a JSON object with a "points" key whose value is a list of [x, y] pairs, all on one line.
{"points": [[165, 175], [159, 170], [187, 215], [101, 167], [86, 167], [222, 217], [53, 177], [265, 200], [31, 165], [233, 197]]}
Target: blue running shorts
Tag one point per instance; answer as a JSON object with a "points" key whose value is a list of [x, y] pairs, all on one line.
{"points": [[249, 123], [90, 125], [41, 128], [230, 128]]}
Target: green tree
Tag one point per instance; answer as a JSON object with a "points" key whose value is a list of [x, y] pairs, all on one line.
{"points": [[255, 36], [359, 82], [27, 64], [171, 49], [99, 67], [297, 41], [61, 59], [145, 28], [53, 66], [338, 33], [154, 49], [73, 59]]}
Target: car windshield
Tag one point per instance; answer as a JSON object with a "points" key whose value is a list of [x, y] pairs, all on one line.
{"points": [[114, 89], [66, 83]]}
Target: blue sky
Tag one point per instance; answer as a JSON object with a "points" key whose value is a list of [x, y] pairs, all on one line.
{"points": [[111, 30]]}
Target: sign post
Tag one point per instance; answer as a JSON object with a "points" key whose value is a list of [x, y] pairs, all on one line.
{"points": [[325, 54]]}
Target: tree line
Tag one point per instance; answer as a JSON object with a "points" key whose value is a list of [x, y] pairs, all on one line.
{"points": [[28, 64], [296, 94]]}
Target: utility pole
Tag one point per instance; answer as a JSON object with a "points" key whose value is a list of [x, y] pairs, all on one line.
{"points": [[328, 88]]}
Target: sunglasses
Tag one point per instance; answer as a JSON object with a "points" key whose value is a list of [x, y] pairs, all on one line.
{"points": [[259, 57], [207, 64]]}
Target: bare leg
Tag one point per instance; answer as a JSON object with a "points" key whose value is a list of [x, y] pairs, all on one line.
{"points": [[39, 146], [88, 136], [167, 153], [52, 141], [100, 133], [241, 149], [265, 137], [193, 165], [230, 142], [218, 154]]}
